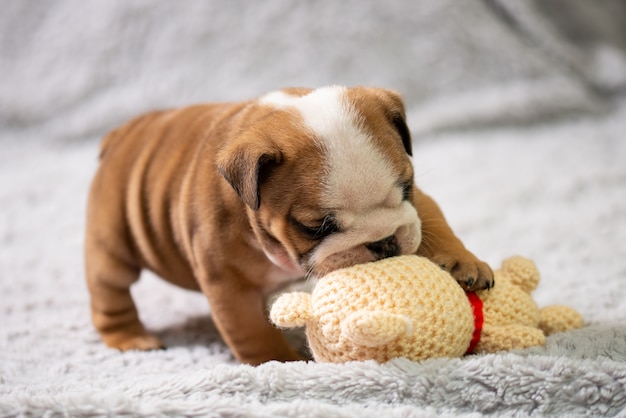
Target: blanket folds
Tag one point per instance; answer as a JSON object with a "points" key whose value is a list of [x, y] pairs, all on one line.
{"points": [[518, 114]]}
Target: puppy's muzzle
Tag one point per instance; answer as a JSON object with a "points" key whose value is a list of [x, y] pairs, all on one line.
{"points": [[386, 247]]}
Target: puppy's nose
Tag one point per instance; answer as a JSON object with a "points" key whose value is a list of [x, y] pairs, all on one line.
{"points": [[386, 247]]}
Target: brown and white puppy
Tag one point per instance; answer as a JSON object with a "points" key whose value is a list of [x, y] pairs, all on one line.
{"points": [[236, 199]]}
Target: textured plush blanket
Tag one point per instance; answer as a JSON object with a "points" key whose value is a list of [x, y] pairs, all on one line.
{"points": [[519, 134]]}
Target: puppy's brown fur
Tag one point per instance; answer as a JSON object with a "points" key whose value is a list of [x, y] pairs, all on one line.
{"points": [[186, 193]]}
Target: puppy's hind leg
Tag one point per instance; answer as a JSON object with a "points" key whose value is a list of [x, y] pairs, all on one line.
{"points": [[113, 310]]}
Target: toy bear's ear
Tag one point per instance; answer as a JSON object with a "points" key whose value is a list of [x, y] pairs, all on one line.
{"points": [[522, 271], [291, 310], [372, 329]]}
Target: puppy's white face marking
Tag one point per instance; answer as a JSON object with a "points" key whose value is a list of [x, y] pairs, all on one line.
{"points": [[360, 184], [357, 171]]}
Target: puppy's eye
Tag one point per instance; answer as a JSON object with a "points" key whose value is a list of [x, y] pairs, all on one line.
{"points": [[319, 230], [407, 189]]}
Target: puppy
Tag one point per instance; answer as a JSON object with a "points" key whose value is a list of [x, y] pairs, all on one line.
{"points": [[235, 200]]}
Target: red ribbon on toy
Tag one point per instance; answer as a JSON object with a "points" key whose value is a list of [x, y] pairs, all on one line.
{"points": [[477, 309]]}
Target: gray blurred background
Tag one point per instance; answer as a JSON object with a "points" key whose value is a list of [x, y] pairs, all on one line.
{"points": [[71, 69]]}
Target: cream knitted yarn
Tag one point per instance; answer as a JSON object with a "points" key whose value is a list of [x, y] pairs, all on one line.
{"points": [[409, 307], [512, 318], [397, 307]]}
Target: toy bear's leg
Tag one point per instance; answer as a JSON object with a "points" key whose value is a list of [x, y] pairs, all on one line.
{"points": [[559, 318], [508, 337]]}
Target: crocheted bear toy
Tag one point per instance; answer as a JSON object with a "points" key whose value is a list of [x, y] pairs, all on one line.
{"points": [[409, 307]]}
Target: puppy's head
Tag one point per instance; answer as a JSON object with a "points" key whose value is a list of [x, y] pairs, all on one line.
{"points": [[326, 176]]}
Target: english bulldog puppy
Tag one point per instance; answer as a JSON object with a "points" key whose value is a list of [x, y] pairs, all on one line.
{"points": [[237, 199]]}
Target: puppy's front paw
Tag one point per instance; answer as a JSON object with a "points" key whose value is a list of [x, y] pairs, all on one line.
{"points": [[471, 273]]}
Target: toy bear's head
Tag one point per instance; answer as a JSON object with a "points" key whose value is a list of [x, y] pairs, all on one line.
{"points": [[409, 307]]}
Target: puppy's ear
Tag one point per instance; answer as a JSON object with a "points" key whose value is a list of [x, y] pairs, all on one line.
{"points": [[245, 165], [395, 113], [399, 122]]}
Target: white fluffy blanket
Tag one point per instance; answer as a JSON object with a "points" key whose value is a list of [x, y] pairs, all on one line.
{"points": [[554, 191]]}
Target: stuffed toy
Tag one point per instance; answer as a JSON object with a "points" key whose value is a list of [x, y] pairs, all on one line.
{"points": [[409, 307]]}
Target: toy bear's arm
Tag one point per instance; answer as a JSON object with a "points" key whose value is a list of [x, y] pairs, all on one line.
{"points": [[372, 329], [291, 310]]}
